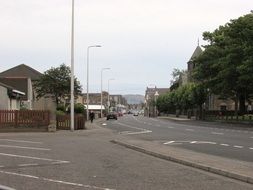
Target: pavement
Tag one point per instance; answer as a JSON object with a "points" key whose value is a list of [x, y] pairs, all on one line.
{"points": [[231, 168]]}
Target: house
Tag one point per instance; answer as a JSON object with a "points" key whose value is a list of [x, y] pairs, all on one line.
{"points": [[22, 78], [151, 96], [213, 102], [10, 97]]}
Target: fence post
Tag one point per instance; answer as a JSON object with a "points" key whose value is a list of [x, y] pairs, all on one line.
{"points": [[16, 118]]}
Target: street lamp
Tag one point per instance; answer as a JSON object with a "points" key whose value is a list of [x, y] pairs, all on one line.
{"points": [[87, 100], [103, 69], [72, 72], [109, 94], [156, 95]]}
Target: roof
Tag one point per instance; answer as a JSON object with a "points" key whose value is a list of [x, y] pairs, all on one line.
{"points": [[196, 53], [12, 89], [21, 71], [19, 84], [152, 91]]}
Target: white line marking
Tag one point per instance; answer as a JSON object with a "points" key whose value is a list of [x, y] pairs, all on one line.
{"points": [[23, 165], [193, 142], [205, 142], [189, 129], [17, 174], [135, 133], [215, 133], [24, 147], [22, 141], [238, 146], [35, 158], [169, 142], [56, 181], [224, 144], [170, 127]]}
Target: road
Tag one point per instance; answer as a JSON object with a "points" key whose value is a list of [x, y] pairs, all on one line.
{"points": [[210, 138], [87, 160]]}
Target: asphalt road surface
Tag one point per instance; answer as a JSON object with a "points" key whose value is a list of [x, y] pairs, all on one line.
{"points": [[87, 160], [210, 138]]}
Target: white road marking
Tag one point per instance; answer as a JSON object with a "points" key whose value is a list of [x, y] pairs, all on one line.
{"points": [[171, 127], [24, 147], [169, 142], [224, 144], [189, 129], [236, 146], [55, 181], [24, 165], [142, 129], [215, 133], [205, 142], [135, 133], [251, 148], [22, 141], [193, 142], [34, 158]]}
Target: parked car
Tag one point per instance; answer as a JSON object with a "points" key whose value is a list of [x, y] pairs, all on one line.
{"points": [[136, 113], [112, 115]]}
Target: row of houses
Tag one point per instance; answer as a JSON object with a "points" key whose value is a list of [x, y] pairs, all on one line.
{"points": [[17, 92]]}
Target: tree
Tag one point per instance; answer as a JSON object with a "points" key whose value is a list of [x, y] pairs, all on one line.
{"points": [[56, 81], [226, 65], [176, 78]]}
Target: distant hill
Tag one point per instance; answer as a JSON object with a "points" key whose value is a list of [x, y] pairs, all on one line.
{"points": [[134, 98]]}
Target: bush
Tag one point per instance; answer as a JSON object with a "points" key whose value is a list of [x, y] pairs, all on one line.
{"points": [[59, 112], [61, 107], [79, 108]]}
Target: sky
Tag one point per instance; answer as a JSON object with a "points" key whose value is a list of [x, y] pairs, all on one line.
{"points": [[142, 40]]}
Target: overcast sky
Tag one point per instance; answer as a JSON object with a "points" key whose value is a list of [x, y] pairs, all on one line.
{"points": [[142, 40]]}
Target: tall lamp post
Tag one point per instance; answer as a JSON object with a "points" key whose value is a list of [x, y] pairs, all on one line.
{"points": [[72, 72], [109, 93], [103, 69], [87, 100], [156, 96]]}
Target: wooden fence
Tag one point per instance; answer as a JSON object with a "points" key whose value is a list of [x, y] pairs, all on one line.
{"points": [[25, 118], [63, 122]]}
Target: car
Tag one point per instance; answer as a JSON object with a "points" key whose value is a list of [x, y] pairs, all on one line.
{"points": [[112, 115], [136, 113]]}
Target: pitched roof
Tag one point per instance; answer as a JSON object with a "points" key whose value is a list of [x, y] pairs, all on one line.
{"points": [[21, 71], [196, 53]]}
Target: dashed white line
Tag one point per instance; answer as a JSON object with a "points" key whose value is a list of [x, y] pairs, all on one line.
{"points": [[24, 165], [193, 142], [169, 142], [24, 147], [251, 148], [55, 181], [236, 146], [35, 158], [135, 133], [22, 141], [215, 133], [224, 144]]}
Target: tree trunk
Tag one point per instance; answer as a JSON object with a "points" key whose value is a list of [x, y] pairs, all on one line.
{"points": [[236, 105], [242, 108]]}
